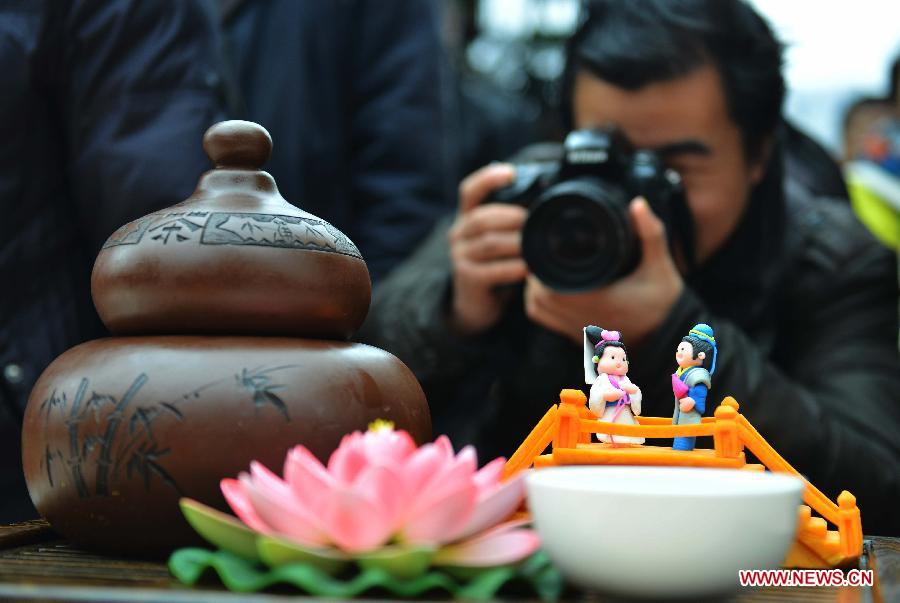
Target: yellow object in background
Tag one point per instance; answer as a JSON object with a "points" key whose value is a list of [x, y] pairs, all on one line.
{"points": [[875, 196]]}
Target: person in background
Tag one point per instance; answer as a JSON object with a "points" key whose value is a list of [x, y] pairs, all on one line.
{"points": [[355, 96], [102, 113], [866, 115], [872, 162], [860, 118], [801, 299]]}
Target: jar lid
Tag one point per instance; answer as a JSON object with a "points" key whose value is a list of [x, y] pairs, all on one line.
{"points": [[233, 258]]}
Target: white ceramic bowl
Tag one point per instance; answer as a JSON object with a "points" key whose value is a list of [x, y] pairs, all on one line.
{"points": [[659, 531]]}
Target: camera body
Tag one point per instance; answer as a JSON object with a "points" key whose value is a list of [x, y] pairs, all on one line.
{"points": [[578, 234]]}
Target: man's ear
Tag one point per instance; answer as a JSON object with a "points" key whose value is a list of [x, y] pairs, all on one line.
{"points": [[758, 165], [702, 355]]}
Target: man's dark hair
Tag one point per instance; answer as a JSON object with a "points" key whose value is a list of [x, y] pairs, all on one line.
{"points": [[700, 345], [632, 43]]}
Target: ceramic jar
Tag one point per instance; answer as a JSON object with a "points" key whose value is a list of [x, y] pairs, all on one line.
{"points": [[231, 311]]}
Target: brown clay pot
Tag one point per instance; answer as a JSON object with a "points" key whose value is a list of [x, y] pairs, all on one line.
{"points": [[116, 430], [234, 257], [119, 429]]}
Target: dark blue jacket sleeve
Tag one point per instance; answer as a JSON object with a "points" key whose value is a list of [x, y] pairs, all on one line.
{"points": [[400, 162], [141, 82], [356, 98]]}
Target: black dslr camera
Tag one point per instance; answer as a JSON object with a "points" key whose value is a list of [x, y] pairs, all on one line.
{"points": [[578, 234]]}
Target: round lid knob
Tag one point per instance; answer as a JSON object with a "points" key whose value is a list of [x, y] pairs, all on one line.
{"points": [[238, 144], [290, 273]]}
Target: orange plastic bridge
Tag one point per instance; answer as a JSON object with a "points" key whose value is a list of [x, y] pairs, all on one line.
{"points": [[568, 427]]}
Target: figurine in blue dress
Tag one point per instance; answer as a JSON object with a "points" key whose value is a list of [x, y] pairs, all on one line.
{"points": [[696, 358]]}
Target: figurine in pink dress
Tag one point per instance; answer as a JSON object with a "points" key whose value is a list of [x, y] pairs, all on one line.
{"points": [[614, 398]]}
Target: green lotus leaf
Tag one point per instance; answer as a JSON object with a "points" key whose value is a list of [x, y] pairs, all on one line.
{"points": [[404, 563], [275, 552], [241, 575], [220, 529]]}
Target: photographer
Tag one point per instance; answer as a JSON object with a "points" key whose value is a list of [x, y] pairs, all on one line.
{"points": [[801, 298]]}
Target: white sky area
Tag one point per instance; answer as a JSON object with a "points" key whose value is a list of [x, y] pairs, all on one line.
{"points": [[837, 50]]}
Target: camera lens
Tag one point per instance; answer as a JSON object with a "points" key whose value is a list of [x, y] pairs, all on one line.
{"points": [[578, 235]]}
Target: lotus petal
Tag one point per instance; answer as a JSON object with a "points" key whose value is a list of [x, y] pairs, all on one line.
{"points": [[388, 447], [506, 526], [468, 459], [432, 522], [354, 523], [307, 478], [423, 465], [447, 478], [493, 507], [240, 503], [349, 459], [284, 515], [442, 443], [500, 548], [384, 487], [270, 484], [488, 477]]}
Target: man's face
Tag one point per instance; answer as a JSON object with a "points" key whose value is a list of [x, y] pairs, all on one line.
{"points": [[686, 120]]}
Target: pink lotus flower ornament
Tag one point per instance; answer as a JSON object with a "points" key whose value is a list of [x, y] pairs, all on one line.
{"points": [[382, 497]]}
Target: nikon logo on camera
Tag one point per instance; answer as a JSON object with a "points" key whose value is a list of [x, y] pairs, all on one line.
{"points": [[588, 156], [578, 235]]}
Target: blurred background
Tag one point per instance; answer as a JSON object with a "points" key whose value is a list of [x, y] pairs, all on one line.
{"points": [[513, 49], [843, 85]]}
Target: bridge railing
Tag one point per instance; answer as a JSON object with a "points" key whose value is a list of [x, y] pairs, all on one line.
{"points": [[844, 514], [575, 424], [571, 423]]}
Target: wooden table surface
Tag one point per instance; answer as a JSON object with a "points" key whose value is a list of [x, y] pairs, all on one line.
{"points": [[35, 564]]}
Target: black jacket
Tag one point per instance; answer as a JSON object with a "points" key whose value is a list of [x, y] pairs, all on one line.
{"points": [[353, 93], [103, 106], [804, 306]]}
